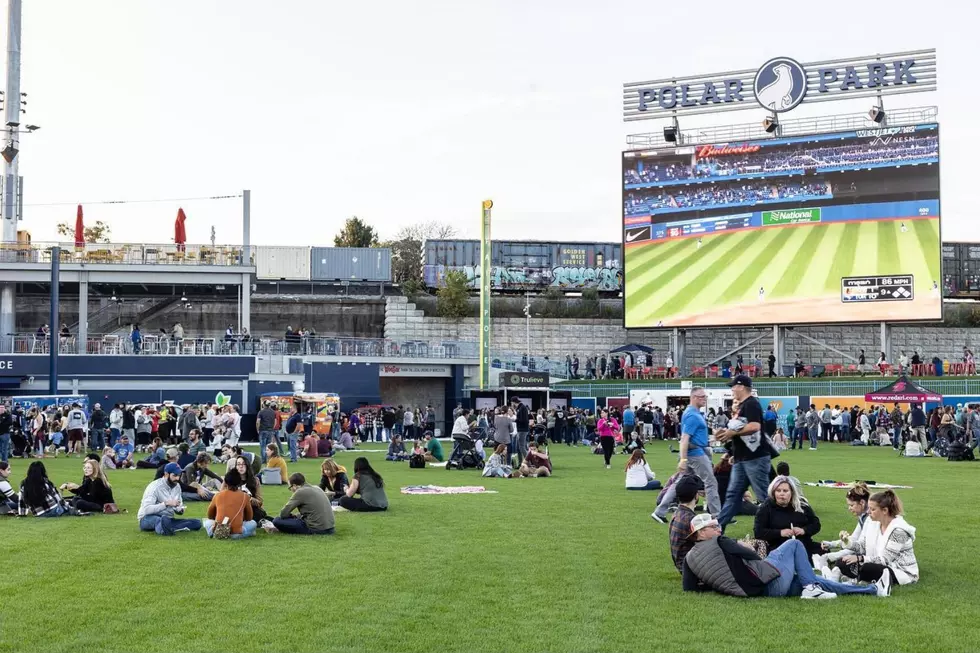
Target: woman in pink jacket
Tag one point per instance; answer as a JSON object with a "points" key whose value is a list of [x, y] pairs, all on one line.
{"points": [[607, 428]]}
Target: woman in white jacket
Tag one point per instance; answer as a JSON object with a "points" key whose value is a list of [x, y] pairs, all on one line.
{"points": [[638, 473], [884, 554], [828, 564]]}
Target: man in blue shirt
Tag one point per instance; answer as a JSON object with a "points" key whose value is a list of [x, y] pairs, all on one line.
{"points": [[294, 427], [124, 453], [629, 422], [695, 456]]}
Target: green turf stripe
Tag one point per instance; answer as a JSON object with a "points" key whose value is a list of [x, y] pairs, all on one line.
{"points": [[927, 232], [649, 253], [699, 280], [843, 258], [801, 261], [654, 278], [755, 273], [867, 262], [650, 266], [888, 261]]}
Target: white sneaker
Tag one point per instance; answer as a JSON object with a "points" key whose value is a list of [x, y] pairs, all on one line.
{"points": [[658, 518], [816, 592], [607, 466], [884, 584], [819, 561], [813, 448]]}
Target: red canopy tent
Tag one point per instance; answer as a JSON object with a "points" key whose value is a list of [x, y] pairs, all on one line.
{"points": [[79, 229], [180, 230], [902, 391]]}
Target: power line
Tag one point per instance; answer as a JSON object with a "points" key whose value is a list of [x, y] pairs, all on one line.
{"points": [[172, 199]]}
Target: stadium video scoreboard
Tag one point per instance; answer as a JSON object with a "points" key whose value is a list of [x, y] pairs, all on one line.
{"points": [[895, 288]]}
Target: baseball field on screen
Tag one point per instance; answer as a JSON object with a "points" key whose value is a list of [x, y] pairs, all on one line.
{"points": [[799, 267]]}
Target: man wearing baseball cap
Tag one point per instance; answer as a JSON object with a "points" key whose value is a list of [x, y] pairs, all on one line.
{"points": [[161, 502], [750, 451], [686, 490]]}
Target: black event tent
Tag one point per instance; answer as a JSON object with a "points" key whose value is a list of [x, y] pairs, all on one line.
{"points": [[632, 348]]}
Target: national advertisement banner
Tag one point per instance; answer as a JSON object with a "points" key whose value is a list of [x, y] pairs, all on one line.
{"points": [[790, 216]]}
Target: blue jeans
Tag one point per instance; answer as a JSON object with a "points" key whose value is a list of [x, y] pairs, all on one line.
{"points": [[745, 473], [4, 446], [166, 525], [194, 496], [248, 529], [96, 440], [114, 435], [293, 444], [813, 437], [296, 526], [265, 439], [795, 573], [897, 437], [796, 435], [651, 485], [57, 511]]}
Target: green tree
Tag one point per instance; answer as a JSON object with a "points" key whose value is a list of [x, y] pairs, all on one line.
{"points": [[100, 232], [406, 250], [453, 297], [356, 233]]}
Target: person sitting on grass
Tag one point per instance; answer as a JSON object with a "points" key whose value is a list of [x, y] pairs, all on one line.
{"points": [[251, 485], [536, 463], [185, 457], [496, 466], [309, 447], [230, 511], [8, 496], [333, 479], [344, 443], [173, 454], [720, 564], [884, 554], [275, 461], [315, 513], [108, 460], [828, 564], [197, 482], [161, 502], [782, 516], [94, 492], [396, 449], [639, 476], [433, 449], [369, 484], [195, 445], [123, 453], [157, 457], [686, 491], [38, 496]]}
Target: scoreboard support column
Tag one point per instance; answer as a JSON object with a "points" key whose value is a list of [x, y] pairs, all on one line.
{"points": [[778, 348], [886, 340], [679, 342]]}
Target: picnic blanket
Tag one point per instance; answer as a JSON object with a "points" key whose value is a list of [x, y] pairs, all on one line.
{"points": [[872, 485], [439, 464], [441, 489]]}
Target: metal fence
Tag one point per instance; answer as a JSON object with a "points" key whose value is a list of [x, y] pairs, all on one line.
{"points": [[779, 387], [128, 254], [158, 345]]}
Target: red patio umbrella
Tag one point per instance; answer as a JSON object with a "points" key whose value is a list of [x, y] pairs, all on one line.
{"points": [[180, 230], [79, 229]]}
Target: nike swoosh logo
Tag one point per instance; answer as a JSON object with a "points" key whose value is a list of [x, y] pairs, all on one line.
{"points": [[633, 236]]}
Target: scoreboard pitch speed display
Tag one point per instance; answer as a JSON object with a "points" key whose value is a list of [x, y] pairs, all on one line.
{"points": [[894, 288]]}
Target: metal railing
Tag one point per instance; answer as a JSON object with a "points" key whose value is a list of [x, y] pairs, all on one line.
{"points": [[128, 254], [160, 345], [780, 387]]}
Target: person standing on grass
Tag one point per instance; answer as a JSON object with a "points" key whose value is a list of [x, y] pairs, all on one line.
{"points": [[161, 502], [315, 513], [94, 492], [607, 428], [695, 456], [6, 425], [369, 484], [115, 424], [265, 424], [522, 419], [686, 490], [751, 450]]}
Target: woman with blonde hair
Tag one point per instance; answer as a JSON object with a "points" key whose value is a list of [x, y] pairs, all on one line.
{"points": [[884, 554], [95, 490], [784, 516], [333, 479], [639, 476]]}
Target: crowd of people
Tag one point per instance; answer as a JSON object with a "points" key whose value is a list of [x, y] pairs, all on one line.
{"points": [[723, 195]]}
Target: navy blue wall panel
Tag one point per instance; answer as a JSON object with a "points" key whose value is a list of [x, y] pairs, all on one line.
{"points": [[357, 384]]}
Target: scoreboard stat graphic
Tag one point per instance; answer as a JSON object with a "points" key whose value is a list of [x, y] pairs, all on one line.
{"points": [[894, 288]]}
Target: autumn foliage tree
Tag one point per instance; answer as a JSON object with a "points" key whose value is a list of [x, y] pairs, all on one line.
{"points": [[100, 232]]}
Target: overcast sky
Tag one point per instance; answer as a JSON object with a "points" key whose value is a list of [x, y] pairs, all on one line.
{"points": [[407, 111]]}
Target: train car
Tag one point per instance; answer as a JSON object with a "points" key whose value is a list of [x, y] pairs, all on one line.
{"points": [[961, 270], [528, 265]]}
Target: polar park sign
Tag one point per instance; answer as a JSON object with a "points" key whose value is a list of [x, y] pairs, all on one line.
{"points": [[781, 84]]}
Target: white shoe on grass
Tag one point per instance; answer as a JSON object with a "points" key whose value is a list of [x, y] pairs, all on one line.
{"points": [[814, 591], [658, 518], [884, 584]]}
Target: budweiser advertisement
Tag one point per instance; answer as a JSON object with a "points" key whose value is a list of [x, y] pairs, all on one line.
{"points": [[769, 231]]}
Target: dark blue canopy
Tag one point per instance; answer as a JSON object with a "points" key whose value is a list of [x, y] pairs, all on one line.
{"points": [[631, 347]]}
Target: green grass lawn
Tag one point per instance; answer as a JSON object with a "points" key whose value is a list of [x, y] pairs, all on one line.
{"points": [[570, 563]]}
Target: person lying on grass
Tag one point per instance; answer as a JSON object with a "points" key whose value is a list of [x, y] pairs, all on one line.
{"points": [[367, 483], [536, 463], [720, 564], [496, 466], [884, 553], [94, 492], [315, 513], [162, 501], [333, 479]]}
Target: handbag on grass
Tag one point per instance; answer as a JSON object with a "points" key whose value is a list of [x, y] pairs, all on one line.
{"points": [[110, 509], [222, 531]]}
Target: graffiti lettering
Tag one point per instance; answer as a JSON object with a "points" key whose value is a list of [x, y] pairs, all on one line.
{"points": [[528, 278]]}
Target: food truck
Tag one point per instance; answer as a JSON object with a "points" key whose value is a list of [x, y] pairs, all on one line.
{"points": [[321, 405]]}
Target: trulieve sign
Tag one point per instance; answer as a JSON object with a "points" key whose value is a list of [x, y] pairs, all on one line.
{"points": [[782, 84], [524, 379]]}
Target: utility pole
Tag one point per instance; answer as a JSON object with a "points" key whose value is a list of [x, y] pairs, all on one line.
{"points": [[12, 108]]}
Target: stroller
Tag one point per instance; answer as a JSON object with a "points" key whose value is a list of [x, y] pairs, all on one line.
{"points": [[464, 455]]}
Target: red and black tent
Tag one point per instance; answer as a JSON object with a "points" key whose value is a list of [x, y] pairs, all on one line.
{"points": [[903, 391]]}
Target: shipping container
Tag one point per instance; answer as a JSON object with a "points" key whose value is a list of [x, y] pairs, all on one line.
{"points": [[282, 263], [351, 264]]}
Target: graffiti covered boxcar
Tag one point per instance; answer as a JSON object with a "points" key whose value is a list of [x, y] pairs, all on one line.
{"points": [[528, 265]]}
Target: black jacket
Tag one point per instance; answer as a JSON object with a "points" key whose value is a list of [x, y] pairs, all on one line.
{"points": [[771, 519], [6, 422], [339, 487], [736, 556], [99, 419], [94, 491]]}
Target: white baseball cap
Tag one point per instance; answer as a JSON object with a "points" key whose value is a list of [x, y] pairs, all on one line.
{"points": [[702, 521]]}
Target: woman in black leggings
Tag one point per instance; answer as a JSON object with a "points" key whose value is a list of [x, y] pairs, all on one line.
{"points": [[369, 484], [607, 428], [94, 492]]}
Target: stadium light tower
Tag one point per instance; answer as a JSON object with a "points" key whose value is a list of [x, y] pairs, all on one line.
{"points": [[11, 209]]}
